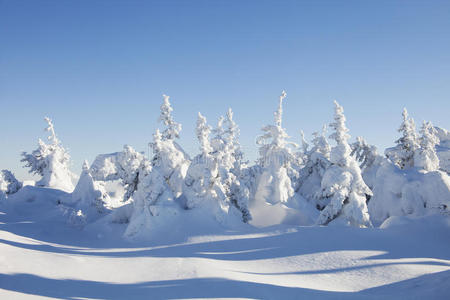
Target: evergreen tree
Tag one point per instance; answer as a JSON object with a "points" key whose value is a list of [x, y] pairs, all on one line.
{"points": [[168, 156], [173, 128], [403, 154], [317, 161], [230, 159], [130, 164], [426, 157], [364, 153], [51, 161], [276, 159], [342, 182], [8, 184], [90, 195], [203, 174]]}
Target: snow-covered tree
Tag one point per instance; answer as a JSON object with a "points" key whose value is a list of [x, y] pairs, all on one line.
{"points": [[168, 156], [228, 154], [342, 182], [305, 145], [218, 140], [153, 200], [425, 157], [51, 161], [130, 164], [203, 174], [317, 161], [320, 143], [276, 158], [443, 149], [159, 183], [173, 128], [8, 184], [369, 160], [204, 187], [90, 195], [403, 153], [364, 153]]}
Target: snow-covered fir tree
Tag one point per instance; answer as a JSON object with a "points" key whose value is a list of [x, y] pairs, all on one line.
{"points": [[228, 154], [403, 153], [130, 164], [8, 184], [302, 154], [369, 160], [153, 200], [203, 188], [317, 161], [203, 174], [51, 161], [173, 129], [342, 182], [89, 195], [276, 159], [425, 157], [364, 153], [168, 155], [305, 144]]}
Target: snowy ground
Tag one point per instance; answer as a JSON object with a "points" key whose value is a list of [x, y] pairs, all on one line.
{"points": [[43, 257]]}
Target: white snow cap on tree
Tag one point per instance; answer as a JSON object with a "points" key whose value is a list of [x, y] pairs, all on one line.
{"points": [[125, 165], [203, 188], [130, 164], [173, 128], [51, 161], [203, 131], [89, 195], [426, 157], [274, 184], [342, 182], [227, 153], [340, 154], [320, 142], [316, 162], [364, 153], [305, 145], [153, 200], [279, 113], [202, 174], [403, 154], [234, 154], [8, 184], [168, 156]]}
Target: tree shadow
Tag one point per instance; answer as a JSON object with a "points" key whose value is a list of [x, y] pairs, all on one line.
{"points": [[433, 286], [301, 241]]}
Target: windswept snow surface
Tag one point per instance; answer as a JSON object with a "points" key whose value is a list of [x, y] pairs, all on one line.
{"points": [[43, 256]]}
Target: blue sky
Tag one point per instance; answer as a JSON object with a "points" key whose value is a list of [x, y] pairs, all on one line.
{"points": [[99, 68]]}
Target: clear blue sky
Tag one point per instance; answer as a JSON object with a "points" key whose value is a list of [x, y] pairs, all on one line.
{"points": [[98, 68]]}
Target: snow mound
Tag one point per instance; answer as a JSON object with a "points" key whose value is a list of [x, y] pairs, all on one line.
{"points": [[443, 149], [408, 192]]}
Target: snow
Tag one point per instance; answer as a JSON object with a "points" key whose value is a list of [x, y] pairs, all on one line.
{"points": [[43, 256], [214, 226], [443, 149], [8, 184], [90, 196], [50, 161], [408, 192]]}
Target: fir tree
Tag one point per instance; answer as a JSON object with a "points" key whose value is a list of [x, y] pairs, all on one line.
{"points": [[51, 161], [342, 182], [403, 154], [426, 157], [276, 158]]}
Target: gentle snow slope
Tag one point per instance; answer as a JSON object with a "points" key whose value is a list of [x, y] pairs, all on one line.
{"points": [[40, 255]]}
